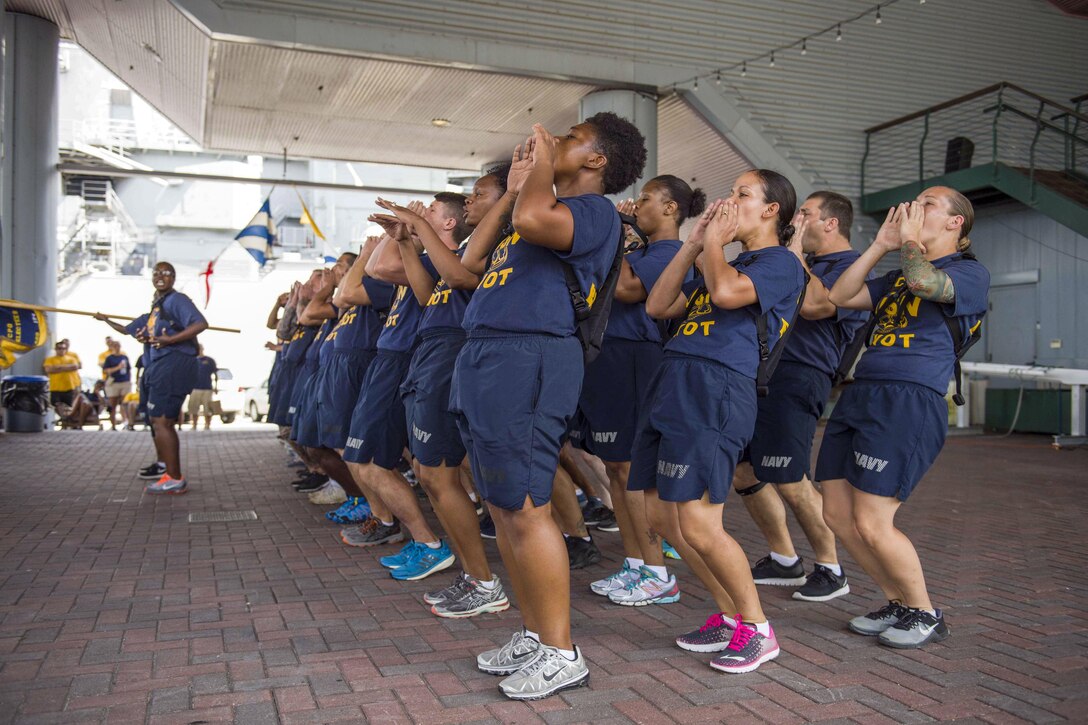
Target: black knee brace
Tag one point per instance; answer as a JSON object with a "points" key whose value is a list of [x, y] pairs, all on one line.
{"points": [[750, 490]]}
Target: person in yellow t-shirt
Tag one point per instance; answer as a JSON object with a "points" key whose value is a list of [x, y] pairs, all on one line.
{"points": [[63, 371]]}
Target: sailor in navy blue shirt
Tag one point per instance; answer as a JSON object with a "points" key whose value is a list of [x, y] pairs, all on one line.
{"points": [[444, 286], [617, 381], [518, 377], [889, 426], [379, 431], [171, 329], [207, 379], [781, 445], [701, 408]]}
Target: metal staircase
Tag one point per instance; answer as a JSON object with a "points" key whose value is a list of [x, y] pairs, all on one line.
{"points": [[96, 233], [997, 143]]}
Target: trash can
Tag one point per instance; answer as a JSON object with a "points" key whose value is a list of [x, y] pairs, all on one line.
{"points": [[25, 399]]}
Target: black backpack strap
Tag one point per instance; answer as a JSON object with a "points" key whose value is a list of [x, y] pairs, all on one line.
{"points": [[768, 356], [960, 346], [577, 297], [850, 355]]}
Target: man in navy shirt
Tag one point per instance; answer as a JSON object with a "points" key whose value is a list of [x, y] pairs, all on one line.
{"points": [[207, 383], [517, 379], [170, 329], [781, 446]]}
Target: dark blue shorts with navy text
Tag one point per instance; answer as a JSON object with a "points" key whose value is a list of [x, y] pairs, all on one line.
{"points": [[169, 380], [513, 396], [378, 433], [697, 419], [614, 388], [882, 437], [781, 448], [433, 436]]}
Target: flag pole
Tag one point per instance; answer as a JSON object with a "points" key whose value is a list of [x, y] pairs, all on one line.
{"points": [[44, 308]]}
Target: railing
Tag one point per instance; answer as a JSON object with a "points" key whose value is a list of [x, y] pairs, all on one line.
{"points": [[121, 136], [99, 234], [1000, 123]]}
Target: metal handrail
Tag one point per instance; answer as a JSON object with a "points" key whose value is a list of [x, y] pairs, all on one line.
{"points": [[1050, 140]]}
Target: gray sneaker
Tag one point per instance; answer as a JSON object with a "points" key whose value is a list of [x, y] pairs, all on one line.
{"points": [[915, 629], [473, 599], [874, 623], [453, 591], [546, 675], [509, 658], [372, 533]]}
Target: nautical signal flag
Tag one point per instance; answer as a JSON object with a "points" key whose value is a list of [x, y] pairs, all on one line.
{"points": [[259, 234], [21, 330], [307, 219]]}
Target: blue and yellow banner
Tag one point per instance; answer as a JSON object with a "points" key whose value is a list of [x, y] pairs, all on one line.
{"points": [[23, 330]]}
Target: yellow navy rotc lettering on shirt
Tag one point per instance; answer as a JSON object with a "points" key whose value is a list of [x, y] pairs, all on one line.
{"points": [[911, 341], [730, 337], [445, 310], [525, 289], [399, 333]]}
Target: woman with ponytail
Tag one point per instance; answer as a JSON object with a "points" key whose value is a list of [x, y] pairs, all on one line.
{"points": [[701, 406], [616, 383], [889, 426]]}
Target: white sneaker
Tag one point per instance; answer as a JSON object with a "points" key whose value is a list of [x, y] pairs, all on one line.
{"points": [[649, 589], [619, 581], [329, 494]]}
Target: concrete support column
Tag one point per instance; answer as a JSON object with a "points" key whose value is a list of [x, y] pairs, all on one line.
{"points": [[31, 183], [638, 108]]}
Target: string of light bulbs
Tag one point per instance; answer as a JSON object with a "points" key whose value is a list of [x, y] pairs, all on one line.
{"points": [[801, 43]]}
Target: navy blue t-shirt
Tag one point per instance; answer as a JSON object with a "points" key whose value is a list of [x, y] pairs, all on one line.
{"points": [[313, 353], [124, 374], [358, 328], [205, 368], [730, 336], [525, 289], [911, 342], [135, 328], [446, 308], [399, 332], [170, 315], [295, 348], [820, 343], [629, 321]]}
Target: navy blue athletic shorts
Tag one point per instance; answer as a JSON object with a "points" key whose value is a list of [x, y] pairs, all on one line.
{"points": [[141, 406], [337, 392], [514, 395], [615, 385], [278, 414], [298, 390], [697, 420], [883, 436], [433, 437], [304, 424], [781, 448], [378, 433], [169, 380], [578, 431]]}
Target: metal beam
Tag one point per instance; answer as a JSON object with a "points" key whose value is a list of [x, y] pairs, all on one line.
{"points": [[80, 170]]}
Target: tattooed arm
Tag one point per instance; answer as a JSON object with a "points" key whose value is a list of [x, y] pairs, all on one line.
{"points": [[922, 278]]}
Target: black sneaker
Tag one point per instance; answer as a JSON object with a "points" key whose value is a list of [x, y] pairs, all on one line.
{"points": [[874, 623], [608, 523], [594, 511], [915, 629], [153, 471], [769, 571], [823, 585], [487, 526], [581, 553], [312, 484]]}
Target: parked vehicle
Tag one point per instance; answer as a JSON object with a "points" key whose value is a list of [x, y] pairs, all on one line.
{"points": [[255, 402]]}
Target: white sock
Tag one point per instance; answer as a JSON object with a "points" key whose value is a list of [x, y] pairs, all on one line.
{"points": [[633, 563], [728, 620], [531, 635], [569, 654], [472, 497], [660, 572], [433, 544], [763, 628], [835, 568], [586, 538], [785, 560], [386, 523], [488, 585]]}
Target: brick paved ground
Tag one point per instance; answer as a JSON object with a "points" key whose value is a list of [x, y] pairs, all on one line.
{"points": [[114, 608]]}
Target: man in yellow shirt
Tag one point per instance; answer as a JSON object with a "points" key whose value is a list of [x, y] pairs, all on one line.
{"points": [[63, 371]]}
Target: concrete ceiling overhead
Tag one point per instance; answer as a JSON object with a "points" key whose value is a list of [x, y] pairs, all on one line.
{"points": [[363, 79]]}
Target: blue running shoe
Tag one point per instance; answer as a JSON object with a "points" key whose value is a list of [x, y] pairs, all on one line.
{"points": [[424, 562], [353, 511], [670, 552], [402, 557]]}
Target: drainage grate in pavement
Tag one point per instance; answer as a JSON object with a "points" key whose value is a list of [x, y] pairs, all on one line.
{"points": [[207, 517]]}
